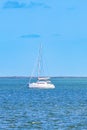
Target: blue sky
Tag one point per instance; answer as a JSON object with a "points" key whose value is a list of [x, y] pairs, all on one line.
{"points": [[61, 27]]}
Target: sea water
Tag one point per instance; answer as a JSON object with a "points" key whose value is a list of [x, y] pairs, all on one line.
{"points": [[62, 108]]}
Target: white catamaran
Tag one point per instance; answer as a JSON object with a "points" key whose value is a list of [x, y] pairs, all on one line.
{"points": [[42, 81]]}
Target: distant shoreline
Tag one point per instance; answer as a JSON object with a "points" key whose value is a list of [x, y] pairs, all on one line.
{"points": [[44, 76]]}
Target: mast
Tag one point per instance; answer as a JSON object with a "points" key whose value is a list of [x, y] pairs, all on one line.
{"points": [[39, 60]]}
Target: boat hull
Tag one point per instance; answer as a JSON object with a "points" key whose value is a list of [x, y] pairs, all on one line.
{"points": [[41, 86]]}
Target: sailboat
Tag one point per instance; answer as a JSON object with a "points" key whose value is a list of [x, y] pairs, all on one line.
{"points": [[42, 81]]}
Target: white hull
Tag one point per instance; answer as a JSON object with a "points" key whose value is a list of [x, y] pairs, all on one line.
{"points": [[41, 85]]}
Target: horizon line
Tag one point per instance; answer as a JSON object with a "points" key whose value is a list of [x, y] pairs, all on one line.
{"points": [[43, 76]]}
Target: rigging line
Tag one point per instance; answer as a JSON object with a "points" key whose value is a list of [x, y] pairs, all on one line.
{"points": [[22, 86], [36, 65], [33, 70]]}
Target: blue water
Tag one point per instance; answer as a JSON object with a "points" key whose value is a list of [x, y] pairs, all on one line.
{"points": [[63, 108]]}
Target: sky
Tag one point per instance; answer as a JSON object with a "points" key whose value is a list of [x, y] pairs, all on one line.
{"points": [[61, 27]]}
